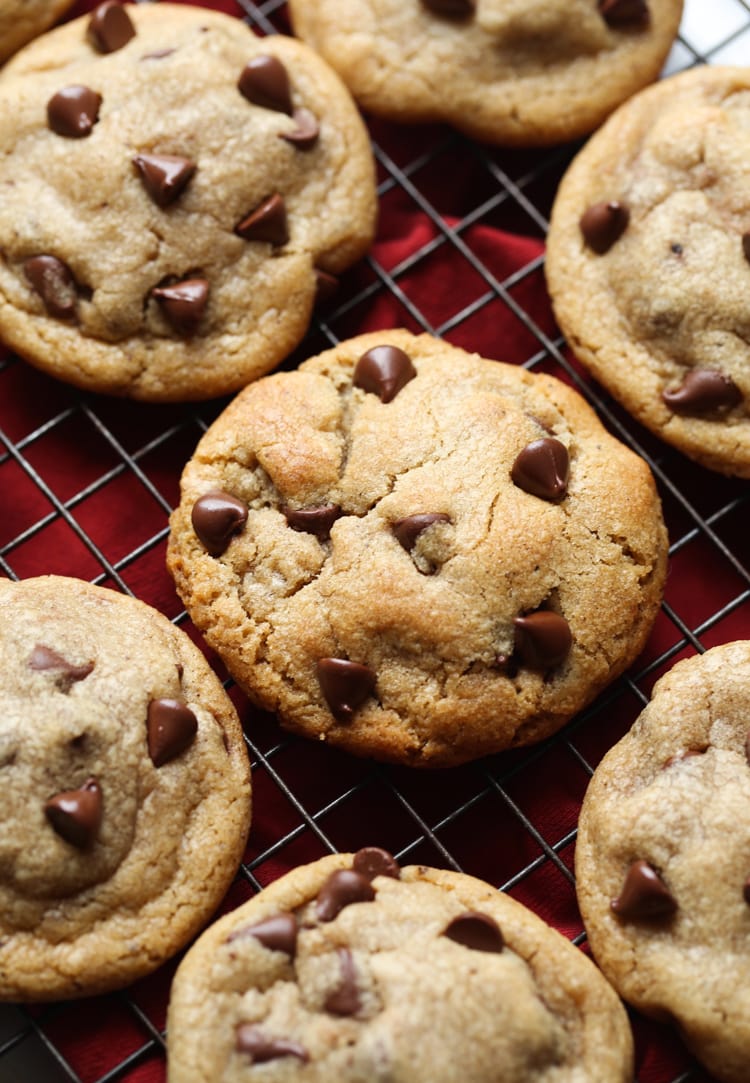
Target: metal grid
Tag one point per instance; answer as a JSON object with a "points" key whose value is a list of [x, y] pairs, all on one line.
{"points": [[66, 458]]}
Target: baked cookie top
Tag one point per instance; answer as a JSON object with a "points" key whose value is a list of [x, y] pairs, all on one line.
{"points": [[648, 262], [22, 20], [663, 858], [351, 969], [172, 194], [125, 797], [525, 72], [403, 549]]}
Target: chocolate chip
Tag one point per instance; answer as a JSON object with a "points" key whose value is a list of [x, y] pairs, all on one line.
{"points": [[644, 895], [746, 890], [542, 639], [73, 111], [625, 13], [217, 516], [456, 8], [277, 933], [326, 287], [316, 520], [603, 224], [343, 887], [305, 135], [261, 1048], [76, 815], [43, 658], [183, 304], [266, 223], [477, 931], [542, 469], [384, 371], [264, 81], [164, 176], [54, 282], [171, 728], [345, 685], [746, 246], [408, 529], [371, 861], [110, 27], [344, 1000], [676, 248], [702, 391]]}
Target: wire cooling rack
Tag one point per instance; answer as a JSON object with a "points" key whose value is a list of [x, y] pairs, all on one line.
{"points": [[87, 485]]}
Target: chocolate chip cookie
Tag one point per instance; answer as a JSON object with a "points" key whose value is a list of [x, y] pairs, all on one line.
{"points": [[648, 262], [174, 189], [415, 553], [523, 72], [125, 797], [22, 20], [663, 858], [353, 969]]}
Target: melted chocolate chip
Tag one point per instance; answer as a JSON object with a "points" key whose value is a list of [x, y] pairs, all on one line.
{"points": [[326, 287], [644, 895], [76, 815], [746, 246], [43, 658], [266, 223], [260, 1047], [371, 861], [110, 27], [314, 520], [164, 176], [342, 888], [453, 8], [542, 639], [345, 685], [477, 931], [171, 728], [73, 111], [625, 13], [183, 304], [384, 371], [702, 391], [277, 933], [217, 516], [408, 529], [264, 81], [54, 282], [604, 223], [344, 999], [542, 469], [305, 135]]}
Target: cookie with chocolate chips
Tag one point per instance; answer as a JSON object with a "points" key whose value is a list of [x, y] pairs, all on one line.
{"points": [[174, 190], [663, 858], [353, 969], [513, 72], [648, 262], [125, 796], [415, 553], [22, 20]]}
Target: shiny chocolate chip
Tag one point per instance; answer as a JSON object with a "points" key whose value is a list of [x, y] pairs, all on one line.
{"points": [[44, 658], [316, 520], [452, 8], [604, 223], [171, 728], [702, 391], [261, 1047], [542, 469], [625, 13], [54, 282], [342, 888], [477, 931], [110, 27], [345, 685], [277, 933], [183, 304], [407, 530], [73, 111], [384, 371], [264, 81], [371, 861], [644, 895], [542, 639], [344, 999], [76, 815], [266, 223], [305, 135], [326, 287], [217, 516], [164, 176]]}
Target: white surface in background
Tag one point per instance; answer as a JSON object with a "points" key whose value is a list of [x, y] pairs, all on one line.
{"points": [[714, 30]]}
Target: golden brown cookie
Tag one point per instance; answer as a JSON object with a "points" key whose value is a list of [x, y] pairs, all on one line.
{"points": [[125, 797], [22, 20], [416, 553]]}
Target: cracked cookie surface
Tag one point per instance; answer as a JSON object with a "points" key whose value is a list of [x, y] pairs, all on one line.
{"points": [[125, 797], [416, 553], [169, 205], [22, 20], [352, 969], [526, 72], [648, 262], [663, 857]]}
